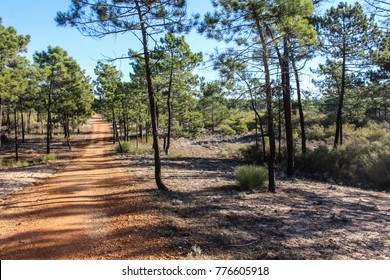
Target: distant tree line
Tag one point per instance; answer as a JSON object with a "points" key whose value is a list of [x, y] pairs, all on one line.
{"points": [[52, 88]]}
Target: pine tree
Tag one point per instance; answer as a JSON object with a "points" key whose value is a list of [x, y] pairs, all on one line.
{"points": [[98, 18]]}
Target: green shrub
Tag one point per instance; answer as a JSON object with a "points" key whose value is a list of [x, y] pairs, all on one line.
{"points": [[1, 162], [252, 154], [240, 126], [51, 156], [18, 164], [122, 147], [226, 129], [250, 177], [315, 132], [376, 167], [225, 154], [353, 162]]}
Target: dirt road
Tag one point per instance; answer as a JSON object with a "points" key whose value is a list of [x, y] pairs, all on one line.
{"points": [[89, 210]]}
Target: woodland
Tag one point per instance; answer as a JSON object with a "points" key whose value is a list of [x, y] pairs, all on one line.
{"points": [[278, 169]]}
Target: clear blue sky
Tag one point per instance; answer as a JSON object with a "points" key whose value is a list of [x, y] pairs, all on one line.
{"points": [[36, 18]]}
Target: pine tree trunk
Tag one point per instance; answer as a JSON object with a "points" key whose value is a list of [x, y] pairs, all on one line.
{"points": [[113, 127], [8, 121], [29, 122], [279, 125], [338, 140], [48, 124], [287, 108], [300, 108], [169, 106], [23, 126], [16, 135], [68, 135], [270, 117], [1, 119], [157, 159]]}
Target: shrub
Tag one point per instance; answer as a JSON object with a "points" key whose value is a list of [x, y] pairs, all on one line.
{"points": [[354, 162], [226, 129], [18, 164], [316, 132], [225, 154], [122, 147], [1, 162], [241, 127], [252, 154], [51, 156], [250, 177]]}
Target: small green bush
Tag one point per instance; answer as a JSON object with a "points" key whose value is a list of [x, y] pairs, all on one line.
{"points": [[123, 147], [226, 129], [250, 177], [240, 127], [252, 154], [225, 154], [18, 164], [51, 156], [316, 132], [1, 162]]}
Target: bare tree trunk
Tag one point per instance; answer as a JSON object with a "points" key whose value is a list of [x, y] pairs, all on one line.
{"points": [[29, 122], [169, 106], [16, 135], [270, 117], [114, 131], [300, 108], [157, 159], [287, 108], [279, 125], [68, 134], [1, 119], [23, 126], [49, 124], [338, 140], [136, 135]]}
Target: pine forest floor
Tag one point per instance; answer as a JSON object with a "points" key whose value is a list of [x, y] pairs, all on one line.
{"points": [[97, 205]]}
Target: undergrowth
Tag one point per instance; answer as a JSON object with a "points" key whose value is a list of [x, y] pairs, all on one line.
{"points": [[364, 158], [49, 157]]}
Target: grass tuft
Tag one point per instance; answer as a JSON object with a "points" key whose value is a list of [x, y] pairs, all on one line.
{"points": [[250, 177], [49, 157], [123, 147]]}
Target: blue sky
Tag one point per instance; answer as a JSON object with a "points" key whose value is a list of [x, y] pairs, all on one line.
{"points": [[36, 18]]}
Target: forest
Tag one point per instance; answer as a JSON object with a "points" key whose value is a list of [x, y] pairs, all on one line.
{"points": [[279, 167]]}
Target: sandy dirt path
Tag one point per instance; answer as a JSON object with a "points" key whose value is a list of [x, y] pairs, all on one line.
{"points": [[89, 210]]}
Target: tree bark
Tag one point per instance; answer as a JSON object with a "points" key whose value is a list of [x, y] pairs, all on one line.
{"points": [[300, 108], [1, 119], [169, 106], [16, 135], [23, 125], [48, 124], [157, 159], [270, 117], [338, 140], [287, 108]]}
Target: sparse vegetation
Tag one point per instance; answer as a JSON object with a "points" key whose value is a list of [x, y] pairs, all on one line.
{"points": [[49, 157], [363, 160], [122, 147]]}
